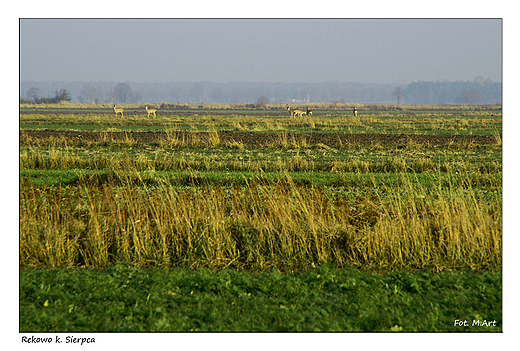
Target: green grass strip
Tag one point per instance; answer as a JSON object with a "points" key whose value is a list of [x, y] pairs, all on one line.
{"points": [[325, 299]]}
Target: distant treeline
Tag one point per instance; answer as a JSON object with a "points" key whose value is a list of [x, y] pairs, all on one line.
{"points": [[478, 91], [486, 92]]}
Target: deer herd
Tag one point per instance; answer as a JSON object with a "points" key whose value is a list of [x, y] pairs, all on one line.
{"points": [[294, 112], [150, 111]]}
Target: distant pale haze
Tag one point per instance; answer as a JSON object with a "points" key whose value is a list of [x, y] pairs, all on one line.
{"points": [[393, 51]]}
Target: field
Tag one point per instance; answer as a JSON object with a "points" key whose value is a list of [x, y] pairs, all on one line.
{"points": [[327, 299], [247, 192]]}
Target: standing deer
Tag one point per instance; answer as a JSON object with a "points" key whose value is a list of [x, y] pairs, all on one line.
{"points": [[299, 113], [118, 110], [150, 111], [291, 110], [296, 112]]}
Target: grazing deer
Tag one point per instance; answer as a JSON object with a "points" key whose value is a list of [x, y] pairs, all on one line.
{"points": [[354, 111], [295, 112], [150, 111], [118, 110], [299, 113]]}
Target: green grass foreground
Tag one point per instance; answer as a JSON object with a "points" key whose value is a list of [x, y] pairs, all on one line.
{"points": [[324, 299]]}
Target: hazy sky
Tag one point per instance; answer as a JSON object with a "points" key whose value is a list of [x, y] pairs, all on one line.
{"points": [[260, 50]]}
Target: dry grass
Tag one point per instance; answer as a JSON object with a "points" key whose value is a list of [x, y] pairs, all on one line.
{"points": [[126, 212], [176, 153], [263, 225]]}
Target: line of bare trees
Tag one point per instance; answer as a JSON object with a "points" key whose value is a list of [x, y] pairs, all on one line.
{"points": [[422, 92]]}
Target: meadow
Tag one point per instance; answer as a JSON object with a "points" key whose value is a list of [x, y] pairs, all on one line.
{"points": [[247, 189]]}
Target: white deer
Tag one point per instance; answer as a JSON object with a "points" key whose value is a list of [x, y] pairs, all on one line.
{"points": [[150, 111], [291, 110], [296, 112], [118, 110]]}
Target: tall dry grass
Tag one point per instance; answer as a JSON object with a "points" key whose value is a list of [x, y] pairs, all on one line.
{"points": [[260, 226]]}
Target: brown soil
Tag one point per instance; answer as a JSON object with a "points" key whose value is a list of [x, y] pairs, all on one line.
{"points": [[251, 139]]}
